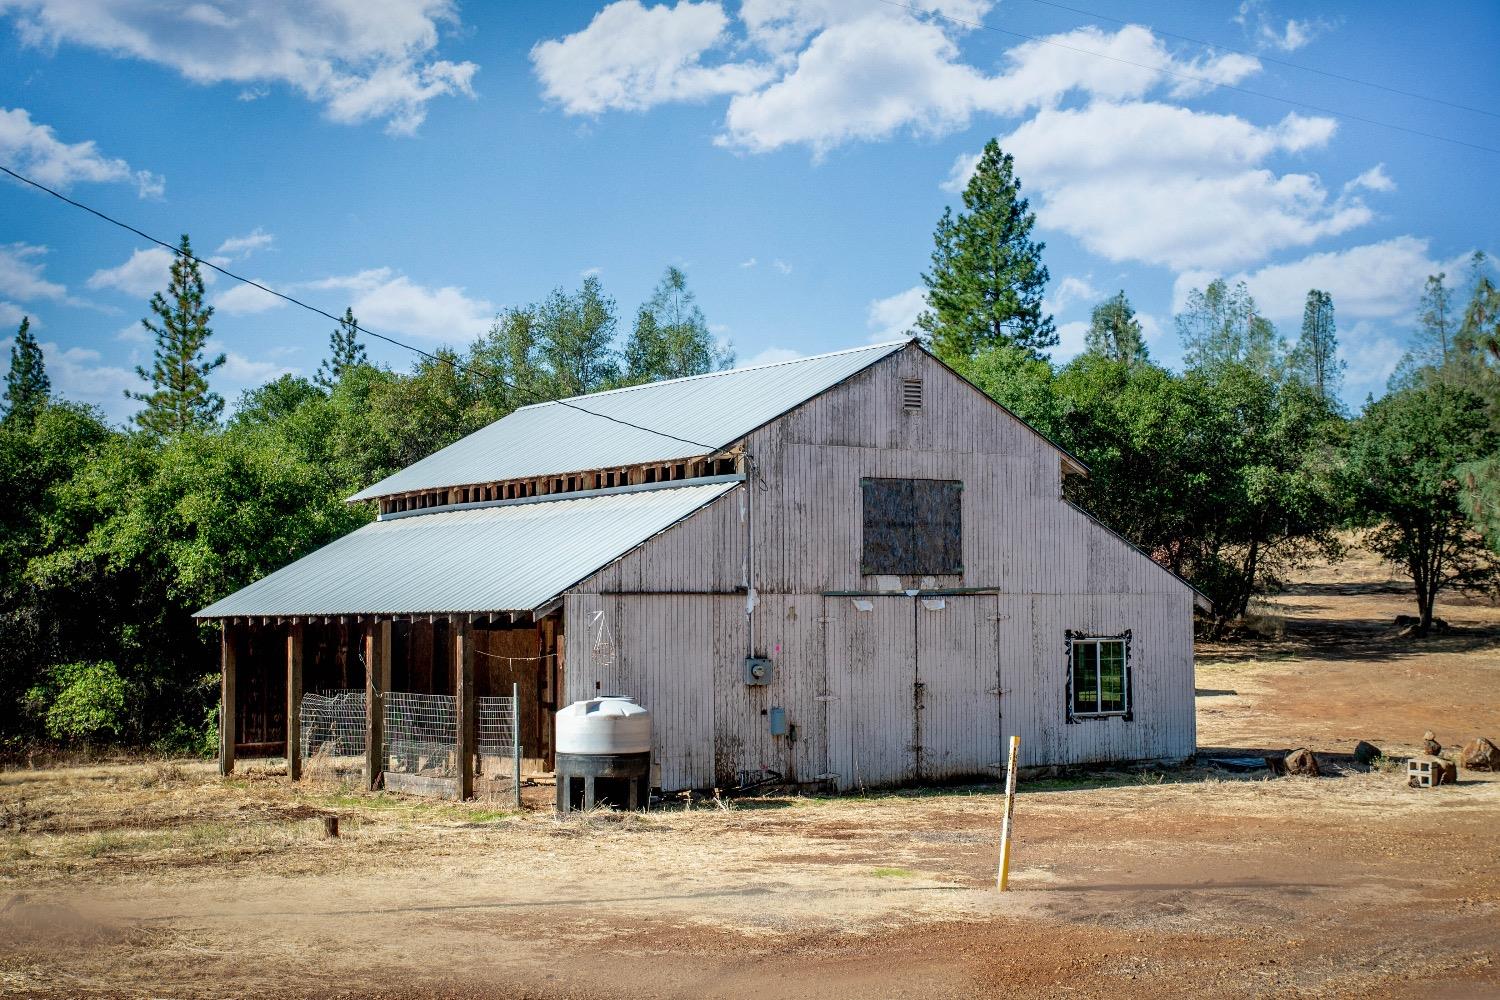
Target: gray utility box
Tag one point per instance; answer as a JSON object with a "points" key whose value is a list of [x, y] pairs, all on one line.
{"points": [[758, 670]]}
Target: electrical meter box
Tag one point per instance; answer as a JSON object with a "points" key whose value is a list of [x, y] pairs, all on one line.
{"points": [[758, 670]]}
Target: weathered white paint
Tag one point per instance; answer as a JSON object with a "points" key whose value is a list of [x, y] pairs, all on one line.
{"points": [[990, 665]]}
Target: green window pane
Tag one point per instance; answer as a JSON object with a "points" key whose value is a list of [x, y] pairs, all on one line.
{"points": [[1112, 676], [1085, 677]]}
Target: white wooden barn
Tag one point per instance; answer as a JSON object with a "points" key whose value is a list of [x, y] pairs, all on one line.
{"points": [[854, 569]]}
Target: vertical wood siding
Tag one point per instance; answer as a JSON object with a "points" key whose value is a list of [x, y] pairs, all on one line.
{"points": [[675, 608]]}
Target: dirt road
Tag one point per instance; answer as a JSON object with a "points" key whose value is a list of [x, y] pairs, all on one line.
{"points": [[158, 880]]}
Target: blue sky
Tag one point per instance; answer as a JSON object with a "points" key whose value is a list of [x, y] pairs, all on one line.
{"points": [[431, 163]]}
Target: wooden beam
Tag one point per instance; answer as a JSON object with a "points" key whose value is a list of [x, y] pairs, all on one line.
{"points": [[294, 703], [227, 716], [377, 682], [463, 687]]}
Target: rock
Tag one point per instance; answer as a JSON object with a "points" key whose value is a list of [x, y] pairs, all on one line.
{"points": [[1366, 753], [1431, 746], [1481, 755], [1301, 761]]}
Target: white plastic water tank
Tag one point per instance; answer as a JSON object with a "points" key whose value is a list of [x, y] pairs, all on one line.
{"points": [[609, 724]]}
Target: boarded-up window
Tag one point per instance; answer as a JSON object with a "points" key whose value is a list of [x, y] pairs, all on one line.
{"points": [[912, 527]]}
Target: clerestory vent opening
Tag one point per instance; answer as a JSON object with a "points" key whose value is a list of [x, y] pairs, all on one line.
{"points": [[911, 394]]}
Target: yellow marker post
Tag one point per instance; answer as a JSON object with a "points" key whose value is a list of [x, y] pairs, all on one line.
{"points": [[1002, 877]]}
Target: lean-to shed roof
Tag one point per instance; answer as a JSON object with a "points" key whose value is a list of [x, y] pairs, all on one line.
{"points": [[715, 410], [513, 556]]}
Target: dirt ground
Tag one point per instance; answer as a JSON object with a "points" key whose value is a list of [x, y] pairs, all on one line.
{"points": [[156, 879]]}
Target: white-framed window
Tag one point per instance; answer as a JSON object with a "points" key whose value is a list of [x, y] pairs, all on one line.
{"points": [[1098, 675]]}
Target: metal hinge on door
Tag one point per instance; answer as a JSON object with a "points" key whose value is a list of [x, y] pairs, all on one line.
{"points": [[826, 697], [999, 618], [994, 691]]}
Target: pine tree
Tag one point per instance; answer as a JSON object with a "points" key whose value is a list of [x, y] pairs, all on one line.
{"points": [[179, 399], [27, 386], [1435, 336], [344, 351], [1114, 332], [671, 338], [987, 279], [1315, 358], [1479, 329]]}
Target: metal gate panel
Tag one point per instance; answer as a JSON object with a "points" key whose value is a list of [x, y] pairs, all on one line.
{"points": [[957, 688]]}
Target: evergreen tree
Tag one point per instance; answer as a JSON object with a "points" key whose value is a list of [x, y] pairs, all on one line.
{"points": [[1315, 358], [1114, 332], [1221, 326], [179, 399], [1480, 326], [987, 279], [344, 351], [27, 387], [671, 337], [1435, 335], [575, 333]]}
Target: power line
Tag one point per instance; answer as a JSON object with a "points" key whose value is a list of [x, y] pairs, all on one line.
{"points": [[1272, 59], [1194, 78], [450, 362]]}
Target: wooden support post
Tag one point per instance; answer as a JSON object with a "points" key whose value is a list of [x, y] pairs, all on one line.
{"points": [[1002, 877], [294, 703], [377, 682], [227, 716], [463, 688]]}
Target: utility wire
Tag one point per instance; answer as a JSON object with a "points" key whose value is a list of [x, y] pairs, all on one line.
{"points": [[1194, 78], [450, 362], [1272, 59]]}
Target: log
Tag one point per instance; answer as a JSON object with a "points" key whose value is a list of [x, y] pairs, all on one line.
{"points": [[1302, 761]]}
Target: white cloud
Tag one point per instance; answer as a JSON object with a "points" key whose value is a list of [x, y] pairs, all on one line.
{"points": [[1151, 182], [360, 61], [80, 373], [872, 76], [237, 247], [781, 266], [1373, 281], [21, 274], [750, 262], [1271, 33], [132, 334], [12, 314], [33, 149], [1068, 292], [1374, 179], [145, 272], [242, 370], [390, 301], [1070, 340], [631, 57], [1370, 354], [246, 300], [893, 317], [772, 356]]}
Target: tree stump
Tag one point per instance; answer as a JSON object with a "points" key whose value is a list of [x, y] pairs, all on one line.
{"points": [[1301, 761], [1366, 753], [330, 826]]}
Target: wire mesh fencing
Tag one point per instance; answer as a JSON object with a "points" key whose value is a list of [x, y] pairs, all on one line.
{"points": [[498, 770], [421, 734], [333, 734]]}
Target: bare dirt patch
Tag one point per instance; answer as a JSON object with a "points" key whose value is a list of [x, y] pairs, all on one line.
{"points": [[160, 879]]}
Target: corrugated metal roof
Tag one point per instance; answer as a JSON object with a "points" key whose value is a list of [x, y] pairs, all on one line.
{"points": [[509, 557], [716, 409]]}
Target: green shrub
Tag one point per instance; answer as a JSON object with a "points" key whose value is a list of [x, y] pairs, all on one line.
{"points": [[82, 701]]}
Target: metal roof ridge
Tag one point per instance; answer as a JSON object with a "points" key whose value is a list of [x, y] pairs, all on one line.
{"points": [[721, 373]]}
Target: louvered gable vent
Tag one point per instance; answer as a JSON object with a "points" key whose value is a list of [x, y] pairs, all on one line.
{"points": [[911, 394]]}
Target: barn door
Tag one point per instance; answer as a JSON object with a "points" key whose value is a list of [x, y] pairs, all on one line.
{"points": [[870, 645], [957, 688]]}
